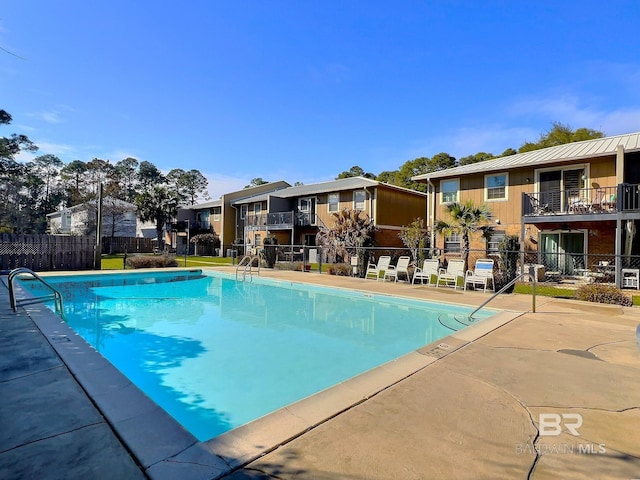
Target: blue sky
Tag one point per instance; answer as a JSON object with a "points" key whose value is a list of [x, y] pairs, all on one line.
{"points": [[303, 90]]}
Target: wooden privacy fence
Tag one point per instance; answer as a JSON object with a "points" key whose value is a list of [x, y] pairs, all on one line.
{"points": [[46, 252], [128, 244]]}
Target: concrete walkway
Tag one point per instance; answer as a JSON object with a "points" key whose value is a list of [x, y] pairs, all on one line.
{"points": [[50, 429], [473, 412]]}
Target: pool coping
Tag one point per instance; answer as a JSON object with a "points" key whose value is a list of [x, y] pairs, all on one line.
{"points": [[166, 450]]}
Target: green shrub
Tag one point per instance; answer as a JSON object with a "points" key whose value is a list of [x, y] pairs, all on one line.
{"points": [[288, 266], [149, 261], [206, 239], [270, 251], [509, 249], [342, 269], [601, 293]]}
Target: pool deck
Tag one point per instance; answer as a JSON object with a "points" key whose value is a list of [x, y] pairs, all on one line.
{"points": [[467, 406]]}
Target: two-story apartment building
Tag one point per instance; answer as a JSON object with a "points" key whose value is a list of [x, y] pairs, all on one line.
{"points": [[220, 216], [572, 204], [295, 214]]}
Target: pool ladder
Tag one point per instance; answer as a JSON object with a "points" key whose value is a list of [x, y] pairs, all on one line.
{"points": [[246, 265], [55, 295]]}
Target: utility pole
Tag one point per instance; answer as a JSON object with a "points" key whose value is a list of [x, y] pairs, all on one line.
{"points": [[97, 254]]}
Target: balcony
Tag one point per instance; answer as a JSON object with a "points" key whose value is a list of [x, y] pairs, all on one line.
{"points": [[584, 201], [270, 221], [279, 220]]}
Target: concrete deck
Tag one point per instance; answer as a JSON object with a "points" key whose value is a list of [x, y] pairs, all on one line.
{"points": [[467, 406]]}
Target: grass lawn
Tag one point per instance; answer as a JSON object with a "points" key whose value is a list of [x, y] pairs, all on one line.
{"points": [[544, 290], [556, 292], [115, 262]]}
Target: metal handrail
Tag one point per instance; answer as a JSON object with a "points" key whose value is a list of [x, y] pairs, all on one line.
{"points": [[512, 282], [57, 296], [246, 263]]}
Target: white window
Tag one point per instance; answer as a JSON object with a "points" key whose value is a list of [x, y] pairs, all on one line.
{"points": [[244, 210], [449, 190], [65, 220], [334, 202], [257, 208], [495, 186], [203, 219], [493, 242], [452, 243], [258, 239], [359, 200], [216, 214]]}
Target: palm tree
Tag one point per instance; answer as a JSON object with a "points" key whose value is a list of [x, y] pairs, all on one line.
{"points": [[466, 218], [351, 229]]}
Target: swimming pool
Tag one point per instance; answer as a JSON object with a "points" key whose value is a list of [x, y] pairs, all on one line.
{"points": [[216, 353]]}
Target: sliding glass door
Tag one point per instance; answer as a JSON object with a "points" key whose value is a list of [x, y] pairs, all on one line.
{"points": [[556, 186], [563, 252]]}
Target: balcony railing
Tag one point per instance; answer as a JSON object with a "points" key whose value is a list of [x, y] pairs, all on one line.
{"points": [[305, 219], [279, 220], [582, 201]]}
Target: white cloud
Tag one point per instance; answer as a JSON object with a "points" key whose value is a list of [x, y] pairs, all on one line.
{"points": [[567, 109], [116, 155], [621, 121], [571, 110], [221, 184], [25, 128], [64, 106], [65, 152], [493, 139], [469, 140], [58, 149], [52, 117]]}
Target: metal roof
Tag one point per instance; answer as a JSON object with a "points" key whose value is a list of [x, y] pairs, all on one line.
{"points": [[199, 206], [599, 147], [107, 202], [351, 183]]}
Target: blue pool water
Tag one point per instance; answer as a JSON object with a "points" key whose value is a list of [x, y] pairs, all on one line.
{"points": [[216, 353]]}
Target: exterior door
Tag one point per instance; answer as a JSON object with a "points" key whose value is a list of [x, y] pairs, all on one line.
{"points": [[563, 252], [556, 186], [550, 186], [307, 208]]}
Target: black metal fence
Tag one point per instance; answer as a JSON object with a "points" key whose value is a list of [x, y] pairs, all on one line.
{"points": [[553, 268], [112, 245]]}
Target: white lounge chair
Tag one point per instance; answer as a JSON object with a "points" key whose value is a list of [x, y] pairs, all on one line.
{"points": [[401, 268], [429, 270], [374, 270], [482, 274], [450, 275]]}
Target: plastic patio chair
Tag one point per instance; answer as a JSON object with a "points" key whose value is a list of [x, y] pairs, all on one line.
{"points": [[450, 275], [374, 270], [482, 274], [401, 268], [430, 268]]}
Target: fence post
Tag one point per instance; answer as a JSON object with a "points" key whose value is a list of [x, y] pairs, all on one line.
{"points": [[532, 276]]}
